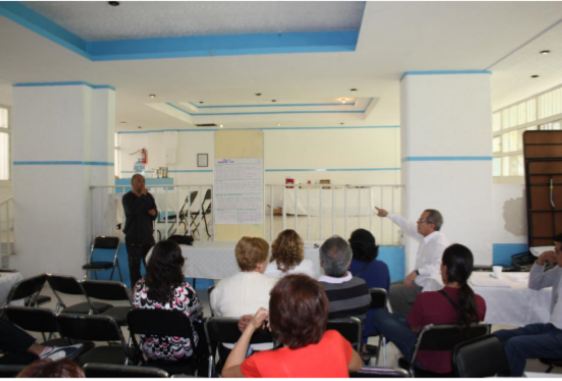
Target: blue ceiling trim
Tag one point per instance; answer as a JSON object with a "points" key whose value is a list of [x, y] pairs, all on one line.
{"points": [[296, 128], [67, 83], [183, 46], [274, 105], [176, 107], [443, 72], [447, 158]]}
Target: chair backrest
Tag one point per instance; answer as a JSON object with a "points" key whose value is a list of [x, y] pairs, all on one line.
{"points": [[445, 337], [65, 284], [27, 288], [159, 323], [209, 292], [480, 357], [378, 297], [106, 242], [100, 370], [207, 200], [225, 330], [89, 327], [368, 372], [32, 319], [350, 328], [106, 290], [10, 371]]}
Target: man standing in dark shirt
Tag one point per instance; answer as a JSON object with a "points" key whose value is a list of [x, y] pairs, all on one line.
{"points": [[140, 212]]}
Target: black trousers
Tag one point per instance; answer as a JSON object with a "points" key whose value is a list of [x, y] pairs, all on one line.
{"points": [[15, 343], [136, 253]]}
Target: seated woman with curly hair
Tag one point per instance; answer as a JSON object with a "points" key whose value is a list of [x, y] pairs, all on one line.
{"points": [[287, 256], [164, 287], [298, 316]]}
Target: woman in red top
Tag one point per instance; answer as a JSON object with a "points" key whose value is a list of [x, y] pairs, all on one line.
{"points": [[456, 303], [298, 314]]}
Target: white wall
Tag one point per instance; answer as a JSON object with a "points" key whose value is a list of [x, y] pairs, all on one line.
{"points": [[5, 100]]}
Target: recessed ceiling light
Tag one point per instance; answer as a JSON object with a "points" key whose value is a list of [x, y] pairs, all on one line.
{"points": [[353, 89], [544, 52], [123, 122], [342, 123], [113, 3], [152, 96], [258, 94], [278, 124], [221, 126], [343, 100], [535, 76], [273, 100], [201, 102], [139, 127]]}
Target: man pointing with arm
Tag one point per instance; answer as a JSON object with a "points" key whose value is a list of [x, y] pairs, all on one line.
{"points": [[432, 243]]}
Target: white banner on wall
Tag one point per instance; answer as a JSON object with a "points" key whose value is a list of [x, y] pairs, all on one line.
{"points": [[238, 191]]}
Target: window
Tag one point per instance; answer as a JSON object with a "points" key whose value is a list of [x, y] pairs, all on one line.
{"points": [[4, 144], [540, 112]]}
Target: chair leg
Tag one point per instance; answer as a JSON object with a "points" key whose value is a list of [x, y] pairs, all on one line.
{"points": [[550, 367], [119, 270]]}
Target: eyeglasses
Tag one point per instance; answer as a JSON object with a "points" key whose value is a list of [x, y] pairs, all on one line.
{"points": [[420, 221]]}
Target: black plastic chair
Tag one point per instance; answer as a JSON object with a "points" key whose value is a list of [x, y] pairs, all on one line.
{"points": [[163, 323], [10, 371], [110, 290], [369, 372], [551, 364], [98, 370], [221, 330], [104, 243], [442, 338], [206, 206], [349, 328], [39, 320], [95, 328], [29, 290], [480, 357], [379, 299], [61, 284], [209, 292]]}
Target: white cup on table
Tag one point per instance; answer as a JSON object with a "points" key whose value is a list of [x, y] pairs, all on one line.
{"points": [[497, 271]]}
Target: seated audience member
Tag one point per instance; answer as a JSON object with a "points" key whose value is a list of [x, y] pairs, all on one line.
{"points": [[456, 303], [298, 314], [164, 287], [287, 256], [366, 266], [20, 348], [348, 295], [538, 340], [244, 292], [53, 369]]}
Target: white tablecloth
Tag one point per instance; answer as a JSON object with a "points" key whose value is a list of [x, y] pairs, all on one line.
{"points": [[7, 280], [216, 260], [509, 300]]}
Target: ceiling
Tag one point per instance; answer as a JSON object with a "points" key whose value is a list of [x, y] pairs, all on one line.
{"points": [[394, 37]]}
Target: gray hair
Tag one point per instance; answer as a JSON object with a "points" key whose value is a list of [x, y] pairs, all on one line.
{"points": [[335, 256], [434, 217]]}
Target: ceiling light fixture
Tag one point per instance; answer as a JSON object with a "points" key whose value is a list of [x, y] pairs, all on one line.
{"points": [[343, 100], [152, 96], [342, 123], [221, 126], [353, 89], [273, 100], [544, 52], [113, 3], [123, 122], [139, 127], [535, 76], [258, 94], [201, 102]]}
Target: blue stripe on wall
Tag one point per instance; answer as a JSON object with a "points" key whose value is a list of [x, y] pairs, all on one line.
{"points": [[183, 46], [332, 169], [64, 162], [443, 72], [502, 252], [296, 128], [447, 158]]}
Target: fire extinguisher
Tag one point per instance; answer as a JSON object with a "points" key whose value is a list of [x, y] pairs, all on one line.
{"points": [[144, 156]]}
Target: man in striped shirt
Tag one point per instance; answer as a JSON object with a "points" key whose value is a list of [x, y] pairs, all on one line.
{"points": [[348, 295]]}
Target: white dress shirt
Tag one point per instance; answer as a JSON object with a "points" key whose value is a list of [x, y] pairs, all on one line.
{"points": [[305, 267], [428, 256], [538, 278]]}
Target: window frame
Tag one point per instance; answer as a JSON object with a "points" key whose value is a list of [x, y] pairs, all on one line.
{"points": [[8, 131]]}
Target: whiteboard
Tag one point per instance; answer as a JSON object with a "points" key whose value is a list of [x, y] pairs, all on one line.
{"points": [[238, 191]]}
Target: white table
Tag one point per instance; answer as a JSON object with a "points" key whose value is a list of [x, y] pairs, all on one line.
{"points": [[216, 260], [7, 280], [509, 300]]}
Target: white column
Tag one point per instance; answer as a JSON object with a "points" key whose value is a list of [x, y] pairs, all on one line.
{"points": [[447, 155], [60, 143]]}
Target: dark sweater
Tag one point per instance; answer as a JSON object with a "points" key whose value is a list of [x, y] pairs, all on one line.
{"points": [[138, 226]]}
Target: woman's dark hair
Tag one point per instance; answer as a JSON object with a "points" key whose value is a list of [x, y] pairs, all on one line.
{"points": [[298, 311], [164, 271], [459, 261], [363, 245]]}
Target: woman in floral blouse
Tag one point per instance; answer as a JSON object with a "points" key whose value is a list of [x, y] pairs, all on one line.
{"points": [[164, 287]]}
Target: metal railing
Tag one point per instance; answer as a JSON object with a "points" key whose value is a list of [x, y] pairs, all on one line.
{"points": [[314, 211], [7, 227]]}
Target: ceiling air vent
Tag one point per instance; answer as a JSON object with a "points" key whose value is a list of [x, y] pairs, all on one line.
{"points": [[206, 125]]}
